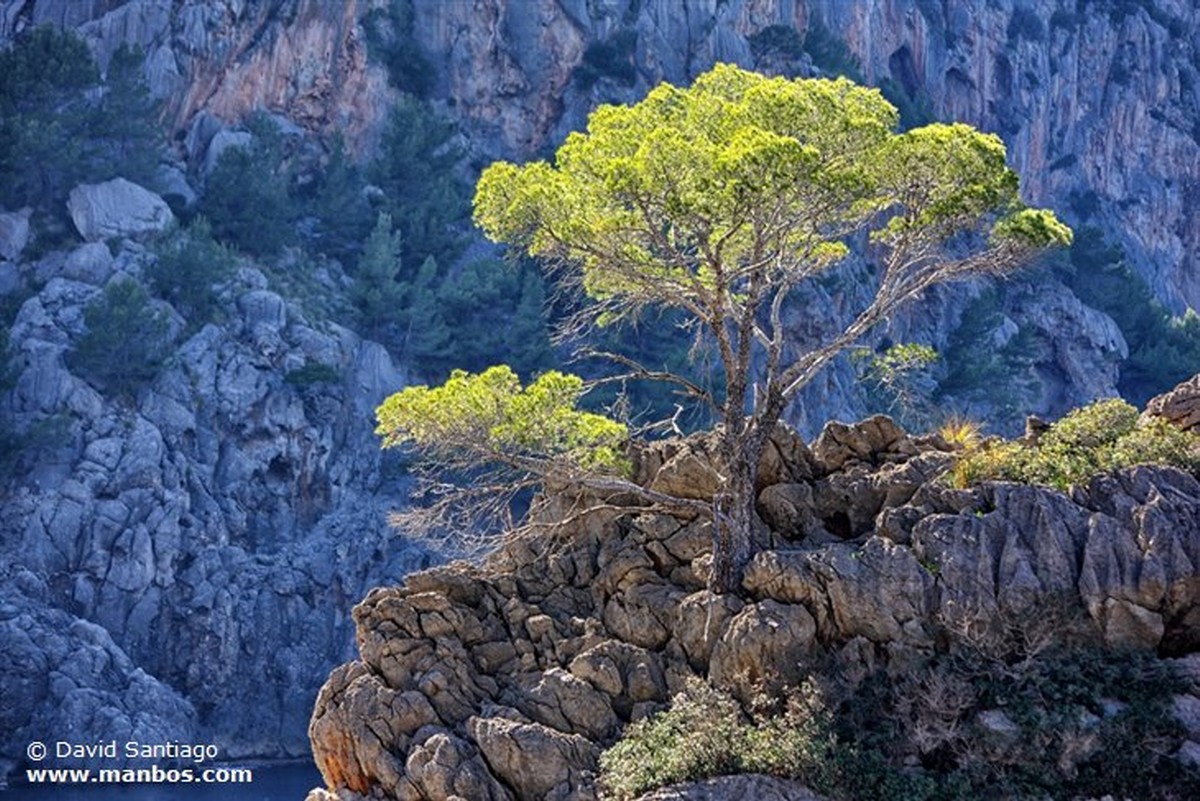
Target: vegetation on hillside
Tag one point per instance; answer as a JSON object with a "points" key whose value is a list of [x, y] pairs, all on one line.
{"points": [[991, 719], [61, 126], [1104, 436]]}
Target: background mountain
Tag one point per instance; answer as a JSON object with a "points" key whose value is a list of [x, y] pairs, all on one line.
{"points": [[198, 513]]}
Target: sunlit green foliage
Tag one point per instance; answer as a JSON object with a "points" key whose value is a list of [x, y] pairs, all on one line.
{"points": [[1107, 435], [685, 171], [611, 58], [491, 414]]}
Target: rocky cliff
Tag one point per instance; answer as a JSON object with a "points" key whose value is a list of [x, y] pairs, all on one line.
{"points": [[1097, 99], [504, 681], [203, 541], [180, 562]]}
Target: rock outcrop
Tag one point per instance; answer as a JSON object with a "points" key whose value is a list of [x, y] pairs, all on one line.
{"points": [[1180, 406], [62, 674], [205, 537], [14, 233], [117, 208], [505, 680]]}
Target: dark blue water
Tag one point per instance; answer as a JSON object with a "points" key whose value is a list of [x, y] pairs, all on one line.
{"points": [[271, 783]]}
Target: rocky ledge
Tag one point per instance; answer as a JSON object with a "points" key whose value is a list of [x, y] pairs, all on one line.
{"points": [[506, 680]]}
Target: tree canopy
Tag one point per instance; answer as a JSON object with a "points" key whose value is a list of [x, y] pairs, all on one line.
{"points": [[489, 429], [718, 199]]}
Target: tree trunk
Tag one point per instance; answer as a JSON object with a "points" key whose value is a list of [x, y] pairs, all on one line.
{"points": [[733, 516]]}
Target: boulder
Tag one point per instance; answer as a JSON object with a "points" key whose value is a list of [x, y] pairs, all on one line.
{"points": [[116, 208], [539, 763], [1180, 406], [91, 264], [14, 233], [221, 141]]}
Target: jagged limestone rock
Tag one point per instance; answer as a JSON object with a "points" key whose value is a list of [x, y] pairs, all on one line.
{"points": [[1180, 406], [553, 644]]}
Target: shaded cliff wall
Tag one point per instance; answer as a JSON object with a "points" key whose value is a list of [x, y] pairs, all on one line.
{"points": [[1098, 99]]}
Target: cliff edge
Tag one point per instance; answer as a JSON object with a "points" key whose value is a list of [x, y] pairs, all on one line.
{"points": [[506, 680]]}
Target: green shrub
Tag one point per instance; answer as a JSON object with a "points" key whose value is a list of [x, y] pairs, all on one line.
{"points": [[776, 40], [1088, 722], [189, 265], [246, 195], [830, 53], [1105, 436], [313, 373], [126, 340], [705, 733]]}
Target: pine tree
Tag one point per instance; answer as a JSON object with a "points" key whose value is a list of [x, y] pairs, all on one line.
{"points": [[415, 170], [126, 139], [126, 340], [378, 295], [429, 343], [190, 263], [341, 211], [246, 197]]}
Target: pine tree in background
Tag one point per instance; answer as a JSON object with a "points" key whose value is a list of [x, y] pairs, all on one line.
{"points": [[126, 340], [415, 170], [44, 116], [190, 264], [339, 208], [428, 343], [124, 133], [246, 196], [378, 295]]}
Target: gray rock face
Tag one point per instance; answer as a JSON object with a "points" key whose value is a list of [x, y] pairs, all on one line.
{"points": [[116, 208], [64, 676], [1180, 406], [211, 533], [14, 233], [549, 648]]}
